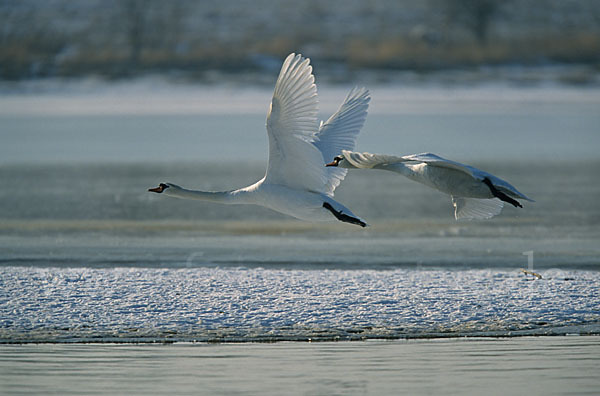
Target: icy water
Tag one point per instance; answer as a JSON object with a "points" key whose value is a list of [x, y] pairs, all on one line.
{"points": [[508, 366], [88, 255]]}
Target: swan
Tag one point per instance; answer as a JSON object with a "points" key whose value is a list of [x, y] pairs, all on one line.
{"points": [[296, 183], [475, 194]]}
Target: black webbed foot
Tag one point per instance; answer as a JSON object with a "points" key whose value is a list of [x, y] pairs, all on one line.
{"points": [[343, 217], [500, 195]]}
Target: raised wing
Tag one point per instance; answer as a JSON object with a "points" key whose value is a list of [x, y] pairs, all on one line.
{"points": [[294, 160], [474, 208], [435, 160], [340, 131]]}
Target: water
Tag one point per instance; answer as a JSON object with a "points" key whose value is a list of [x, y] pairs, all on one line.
{"points": [[173, 124], [101, 215], [528, 365], [88, 255]]}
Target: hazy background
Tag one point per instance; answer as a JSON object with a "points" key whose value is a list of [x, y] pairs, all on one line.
{"points": [[526, 40], [102, 99]]}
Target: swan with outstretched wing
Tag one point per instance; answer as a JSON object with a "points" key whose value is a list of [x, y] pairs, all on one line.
{"points": [[475, 194], [296, 182]]}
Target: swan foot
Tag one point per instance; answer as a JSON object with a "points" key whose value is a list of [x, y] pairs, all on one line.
{"points": [[343, 217], [500, 195]]}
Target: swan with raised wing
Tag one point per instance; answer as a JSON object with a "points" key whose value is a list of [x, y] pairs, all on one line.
{"points": [[475, 194], [296, 183]]}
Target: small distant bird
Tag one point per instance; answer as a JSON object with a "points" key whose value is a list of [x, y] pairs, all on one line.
{"points": [[296, 182], [475, 194]]}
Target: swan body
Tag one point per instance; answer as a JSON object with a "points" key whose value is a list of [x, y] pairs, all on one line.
{"points": [[305, 206], [296, 183], [475, 194]]}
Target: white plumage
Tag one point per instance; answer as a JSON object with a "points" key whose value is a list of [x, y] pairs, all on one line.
{"points": [[296, 182], [475, 194]]}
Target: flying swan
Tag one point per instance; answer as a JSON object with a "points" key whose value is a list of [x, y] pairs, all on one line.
{"points": [[475, 194], [296, 183]]}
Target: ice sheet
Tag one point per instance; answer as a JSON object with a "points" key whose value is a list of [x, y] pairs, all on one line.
{"points": [[216, 304]]}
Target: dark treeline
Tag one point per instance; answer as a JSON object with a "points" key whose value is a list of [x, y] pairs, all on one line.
{"points": [[119, 38]]}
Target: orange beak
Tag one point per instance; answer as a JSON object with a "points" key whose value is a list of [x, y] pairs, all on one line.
{"points": [[158, 189], [332, 163]]}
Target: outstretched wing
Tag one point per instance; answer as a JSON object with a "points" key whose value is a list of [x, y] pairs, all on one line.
{"points": [[500, 184], [294, 160], [435, 160], [340, 131], [474, 208], [377, 161]]}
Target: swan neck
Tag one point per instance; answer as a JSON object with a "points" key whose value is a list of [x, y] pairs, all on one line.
{"points": [[212, 196]]}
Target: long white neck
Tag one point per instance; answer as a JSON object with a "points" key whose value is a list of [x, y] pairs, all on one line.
{"points": [[226, 197]]}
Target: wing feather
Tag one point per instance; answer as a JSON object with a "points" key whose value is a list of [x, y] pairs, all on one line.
{"points": [[340, 131], [435, 160], [474, 208], [500, 184], [368, 160], [292, 125]]}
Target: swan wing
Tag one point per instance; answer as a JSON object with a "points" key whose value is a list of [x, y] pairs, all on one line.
{"points": [[500, 184], [377, 161], [340, 131], [474, 208], [435, 160], [294, 160]]}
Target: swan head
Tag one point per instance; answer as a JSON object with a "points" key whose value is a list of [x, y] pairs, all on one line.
{"points": [[161, 187], [339, 161]]}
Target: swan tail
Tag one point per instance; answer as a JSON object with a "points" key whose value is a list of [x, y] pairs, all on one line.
{"points": [[517, 194], [343, 214], [501, 189], [499, 194], [474, 208]]}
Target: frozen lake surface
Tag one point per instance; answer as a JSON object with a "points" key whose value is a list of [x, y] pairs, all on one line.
{"points": [[215, 304], [88, 255]]}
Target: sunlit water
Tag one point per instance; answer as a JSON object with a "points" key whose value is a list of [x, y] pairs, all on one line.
{"points": [[88, 255]]}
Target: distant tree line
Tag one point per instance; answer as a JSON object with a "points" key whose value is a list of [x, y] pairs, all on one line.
{"points": [[119, 38]]}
